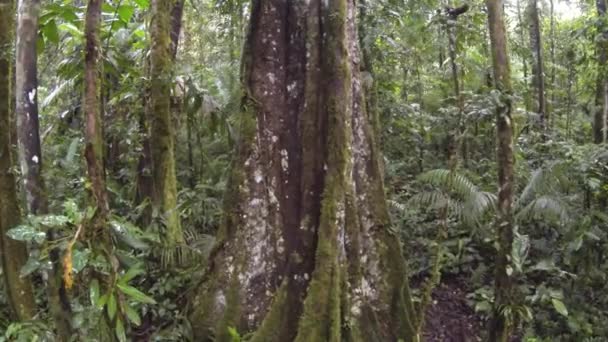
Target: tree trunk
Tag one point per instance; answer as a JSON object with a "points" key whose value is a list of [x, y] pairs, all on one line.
{"points": [[13, 254], [177, 13], [30, 156], [503, 291], [93, 127], [551, 104], [538, 69], [305, 252], [601, 91], [162, 132], [524, 57]]}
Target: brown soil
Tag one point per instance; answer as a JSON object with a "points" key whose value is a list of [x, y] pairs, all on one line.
{"points": [[449, 318]]}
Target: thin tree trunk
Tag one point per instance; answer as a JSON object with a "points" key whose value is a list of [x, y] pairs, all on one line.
{"points": [[305, 252], [177, 13], [524, 57], [551, 104], [538, 68], [601, 91], [93, 128], [500, 328], [30, 153], [13, 254], [162, 132]]}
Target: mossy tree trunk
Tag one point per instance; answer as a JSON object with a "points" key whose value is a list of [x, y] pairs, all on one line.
{"points": [[538, 67], [13, 254], [500, 327], [94, 147], [162, 131], [601, 91], [305, 252], [30, 155]]}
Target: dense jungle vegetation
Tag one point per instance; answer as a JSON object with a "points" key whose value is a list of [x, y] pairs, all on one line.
{"points": [[307, 170]]}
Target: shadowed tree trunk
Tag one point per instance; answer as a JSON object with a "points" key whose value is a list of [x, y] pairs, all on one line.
{"points": [[538, 68], [13, 254], [30, 156], [601, 91], [305, 252], [161, 125], [503, 293]]}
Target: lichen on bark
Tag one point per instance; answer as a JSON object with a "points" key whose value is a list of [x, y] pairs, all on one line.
{"points": [[304, 251]]}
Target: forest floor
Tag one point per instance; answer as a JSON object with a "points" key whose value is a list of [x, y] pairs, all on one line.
{"points": [[449, 318]]}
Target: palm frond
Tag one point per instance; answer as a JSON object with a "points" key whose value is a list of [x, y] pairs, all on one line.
{"points": [[429, 199], [449, 181], [545, 180], [454, 190], [544, 207]]}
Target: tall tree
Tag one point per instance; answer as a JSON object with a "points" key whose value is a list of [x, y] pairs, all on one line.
{"points": [[503, 285], [538, 68], [13, 254], [94, 143], [601, 90], [30, 156], [305, 252], [162, 131]]}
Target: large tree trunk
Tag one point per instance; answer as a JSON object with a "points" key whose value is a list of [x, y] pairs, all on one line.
{"points": [[13, 254], [601, 91], [30, 156], [503, 289], [162, 132], [305, 252], [538, 69]]}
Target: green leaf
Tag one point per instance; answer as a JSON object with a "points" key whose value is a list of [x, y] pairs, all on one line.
{"points": [[54, 220], [50, 32], [72, 29], [135, 294], [112, 306], [94, 291], [26, 233], [30, 267], [234, 335], [80, 259], [101, 302], [120, 331], [125, 12], [143, 4], [133, 272], [132, 315], [559, 306]]}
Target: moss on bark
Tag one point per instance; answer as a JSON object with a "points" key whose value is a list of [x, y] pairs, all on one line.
{"points": [[13, 254], [305, 253], [162, 130]]}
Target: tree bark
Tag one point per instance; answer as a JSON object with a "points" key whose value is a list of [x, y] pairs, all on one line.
{"points": [[305, 252], [538, 68], [503, 288], [601, 91], [30, 156], [162, 132], [93, 127], [524, 57], [13, 254]]}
